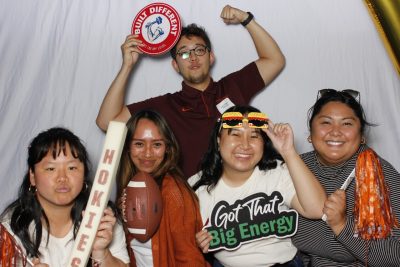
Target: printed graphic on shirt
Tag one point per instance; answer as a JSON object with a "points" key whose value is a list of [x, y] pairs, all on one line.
{"points": [[247, 220], [158, 26]]}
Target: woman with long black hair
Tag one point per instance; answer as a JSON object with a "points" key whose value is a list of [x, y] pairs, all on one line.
{"points": [[41, 225]]}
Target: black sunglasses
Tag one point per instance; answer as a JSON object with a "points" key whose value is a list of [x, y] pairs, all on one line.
{"points": [[346, 92]]}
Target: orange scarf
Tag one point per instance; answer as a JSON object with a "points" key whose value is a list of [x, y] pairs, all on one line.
{"points": [[10, 251], [374, 218]]}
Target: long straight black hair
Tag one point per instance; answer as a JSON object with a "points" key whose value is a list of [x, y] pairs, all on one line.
{"points": [[26, 208]]}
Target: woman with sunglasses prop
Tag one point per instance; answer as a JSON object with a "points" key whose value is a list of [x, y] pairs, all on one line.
{"points": [[360, 223], [39, 227], [251, 185]]}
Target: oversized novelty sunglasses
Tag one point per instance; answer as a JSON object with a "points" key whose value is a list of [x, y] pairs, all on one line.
{"points": [[346, 92], [236, 120]]}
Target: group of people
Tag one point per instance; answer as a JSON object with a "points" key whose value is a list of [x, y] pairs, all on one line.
{"points": [[234, 190]]}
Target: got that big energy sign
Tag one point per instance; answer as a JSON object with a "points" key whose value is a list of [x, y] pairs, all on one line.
{"points": [[252, 218]]}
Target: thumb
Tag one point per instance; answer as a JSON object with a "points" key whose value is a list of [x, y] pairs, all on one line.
{"points": [[271, 125], [270, 129]]}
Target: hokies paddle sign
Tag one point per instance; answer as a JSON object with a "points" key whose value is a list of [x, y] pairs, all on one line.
{"points": [[247, 220], [158, 26]]}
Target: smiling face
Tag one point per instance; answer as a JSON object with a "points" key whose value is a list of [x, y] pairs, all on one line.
{"points": [[58, 180], [195, 70], [241, 150], [335, 133], [147, 149]]}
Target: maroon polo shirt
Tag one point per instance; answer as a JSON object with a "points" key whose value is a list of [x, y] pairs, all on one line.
{"points": [[192, 113]]}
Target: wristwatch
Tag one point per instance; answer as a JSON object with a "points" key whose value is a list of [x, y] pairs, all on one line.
{"points": [[247, 21]]}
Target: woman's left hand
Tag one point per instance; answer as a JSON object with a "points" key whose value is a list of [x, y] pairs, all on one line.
{"points": [[104, 235], [203, 239], [281, 135], [335, 210]]}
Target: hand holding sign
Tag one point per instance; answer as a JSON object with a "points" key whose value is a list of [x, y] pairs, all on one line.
{"points": [[130, 50], [203, 239], [158, 27]]}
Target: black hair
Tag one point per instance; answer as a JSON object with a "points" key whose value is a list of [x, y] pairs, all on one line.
{"points": [[27, 209], [342, 97], [211, 164], [190, 31]]}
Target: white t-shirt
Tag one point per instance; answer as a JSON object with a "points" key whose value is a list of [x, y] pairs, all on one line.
{"points": [[263, 252], [58, 250], [143, 253]]}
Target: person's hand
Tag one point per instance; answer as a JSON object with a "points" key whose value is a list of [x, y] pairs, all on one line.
{"points": [[130, 51], [203, 239], [104, 235], [281, 135], [231, 15], [36, 263], [335, 211]]}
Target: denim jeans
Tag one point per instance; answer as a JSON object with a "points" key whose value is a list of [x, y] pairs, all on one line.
{"points": [[296, 262]]}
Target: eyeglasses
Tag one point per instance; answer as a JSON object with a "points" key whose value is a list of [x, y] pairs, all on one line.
{"points": [[236, 120], [199, 50], [347, 92]]}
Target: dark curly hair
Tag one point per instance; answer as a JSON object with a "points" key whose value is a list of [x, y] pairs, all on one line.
{"points": [[190, 31]]}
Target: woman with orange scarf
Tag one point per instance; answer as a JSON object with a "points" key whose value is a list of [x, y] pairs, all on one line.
{"points": [[360, 225]]}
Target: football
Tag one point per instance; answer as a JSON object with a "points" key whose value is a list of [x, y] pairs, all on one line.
{"points": [[143, 206]]}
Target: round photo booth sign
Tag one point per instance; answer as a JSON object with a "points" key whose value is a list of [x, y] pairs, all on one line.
{"points": [[158, 26]]}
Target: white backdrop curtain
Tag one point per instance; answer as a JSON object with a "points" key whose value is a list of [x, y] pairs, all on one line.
{"points": [[58, 58]]}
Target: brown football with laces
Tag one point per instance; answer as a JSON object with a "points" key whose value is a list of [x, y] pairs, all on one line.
{"points": [[143, 206]]}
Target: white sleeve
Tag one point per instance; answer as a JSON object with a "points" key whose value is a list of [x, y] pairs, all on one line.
{"points": [[194, 178], [286, 185], [118, 244]]}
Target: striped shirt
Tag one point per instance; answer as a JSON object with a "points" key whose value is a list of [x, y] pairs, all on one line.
{"points": [[317, 241]]}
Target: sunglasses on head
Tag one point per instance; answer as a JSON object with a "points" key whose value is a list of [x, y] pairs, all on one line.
{"points": [[347, 92], [236, 120]]}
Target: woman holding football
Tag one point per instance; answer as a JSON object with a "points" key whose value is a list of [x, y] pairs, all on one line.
{"points": [[151, 147]]}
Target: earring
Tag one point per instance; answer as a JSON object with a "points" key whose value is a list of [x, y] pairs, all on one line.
{"points": [[309, 139], [363, 141], [32, 189]]}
